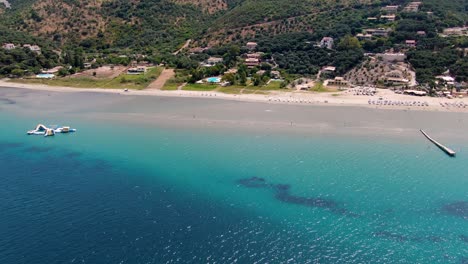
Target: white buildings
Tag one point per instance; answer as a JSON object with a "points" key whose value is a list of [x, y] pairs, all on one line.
{"points": [[9, 46], [390, 9], [412, 7], [33, 48], [251, 45], [378, 32], [389, 18], [326, 42]]}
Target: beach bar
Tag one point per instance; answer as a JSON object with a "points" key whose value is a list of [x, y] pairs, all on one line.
{"points": [[442, 147]]}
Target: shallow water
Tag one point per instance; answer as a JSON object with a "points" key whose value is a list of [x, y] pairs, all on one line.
{"points": [[131, 192]]}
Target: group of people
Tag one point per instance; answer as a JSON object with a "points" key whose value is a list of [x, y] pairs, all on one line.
{"points": [[397, 103], [454, 104], [291, 100], [367, 91]]}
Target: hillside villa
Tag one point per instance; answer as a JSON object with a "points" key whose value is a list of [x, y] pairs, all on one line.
{"points": [[378, 32], [251, 45], [253, 59], [447, 79], [212, 61], [389, 18], [361, 36], [410, 43], [390, 9], [456, 31], [412, 7], [252, 62], [326, 42], [9, 46], [33, 48]]}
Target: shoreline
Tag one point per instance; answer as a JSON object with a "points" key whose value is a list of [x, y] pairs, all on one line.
{"points": [[275, 97]]}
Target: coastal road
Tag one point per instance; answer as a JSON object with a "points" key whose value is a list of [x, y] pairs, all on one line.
{"points": [[187, 43], [165, 75]]}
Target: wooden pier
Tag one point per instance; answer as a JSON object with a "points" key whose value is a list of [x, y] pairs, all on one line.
{"points": [[442, 147]]}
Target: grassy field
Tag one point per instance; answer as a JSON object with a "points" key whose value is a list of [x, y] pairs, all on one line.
{"points": [[200, 87], [320, 88], [171, 85], [122, 81]]}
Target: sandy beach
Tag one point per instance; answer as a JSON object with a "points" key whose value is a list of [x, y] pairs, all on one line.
{"points": [[200, 111], [344, 98]]}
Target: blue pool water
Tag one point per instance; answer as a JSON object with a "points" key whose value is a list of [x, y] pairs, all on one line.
{"points": [[117, 192], [45, 76], [213, 80]]}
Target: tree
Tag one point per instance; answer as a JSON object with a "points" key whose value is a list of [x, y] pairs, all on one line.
{"points": [[17, 72], [230, 78], [349, 43], [62, 72]]}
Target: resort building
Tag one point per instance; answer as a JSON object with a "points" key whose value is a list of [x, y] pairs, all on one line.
{"points": [[326, 42], [412, 7], [328, 69], [9, 46], [252, 62], [395, 77], [392, 57], [378, 32], [389, 18], [211, 61], [456, 31], [390, 9], [447, 79], [256, 55], [410, 43], [361, 36], [337, 82], [372, 19], [275, 74], [251, 45], [421, 33], [33, 48]]}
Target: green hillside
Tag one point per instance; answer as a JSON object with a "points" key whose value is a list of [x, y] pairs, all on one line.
{"points": [[105, 30]]}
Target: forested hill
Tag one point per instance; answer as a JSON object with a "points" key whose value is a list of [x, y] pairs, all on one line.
{"points": [[166, 24]]}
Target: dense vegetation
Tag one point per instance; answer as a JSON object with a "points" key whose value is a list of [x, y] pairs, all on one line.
{"points": [[287, 32]]}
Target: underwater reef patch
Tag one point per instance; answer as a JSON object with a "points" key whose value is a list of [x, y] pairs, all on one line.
{"points": [[282, 193], [459, 208]]}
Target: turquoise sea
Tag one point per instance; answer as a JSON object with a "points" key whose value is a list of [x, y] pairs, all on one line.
{"points": [[140, 192]]}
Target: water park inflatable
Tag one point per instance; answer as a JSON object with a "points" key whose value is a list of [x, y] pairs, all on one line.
{"points": [[46, 131]]}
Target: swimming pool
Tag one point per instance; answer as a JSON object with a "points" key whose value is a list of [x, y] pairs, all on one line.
{"points": [[213, 80], [45, 76]]}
